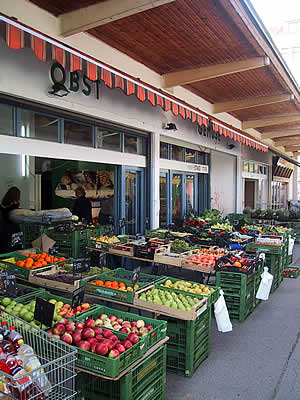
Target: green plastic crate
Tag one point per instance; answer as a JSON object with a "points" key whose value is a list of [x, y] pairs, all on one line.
{"points": [[291, 272], [188, 343], [43, 294], [159, 327], [20, 286], [109, 293], [30, 233], [264, 248], [111, 367], [126, 274], [70, 244], [211, 299], [144, 382], [239, 292]]}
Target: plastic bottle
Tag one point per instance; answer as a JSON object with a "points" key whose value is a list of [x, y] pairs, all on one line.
{"points": [[4, 330], [3, 380], [30, 363], [21, 387], [15, 338]]}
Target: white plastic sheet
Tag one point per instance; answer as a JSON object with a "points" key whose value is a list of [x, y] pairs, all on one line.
{"points": [[265, 285], [221, 314]]}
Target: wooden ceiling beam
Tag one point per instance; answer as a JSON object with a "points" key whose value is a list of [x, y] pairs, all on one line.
{"points": [[258, 123], [292, 148], [98, 14], [212, 71], [287, 142], [280, 134], [228, 106]]}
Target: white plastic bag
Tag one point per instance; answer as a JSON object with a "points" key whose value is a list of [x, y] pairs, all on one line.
{"points": [[265, 285], [291, 245], [221, 314]]}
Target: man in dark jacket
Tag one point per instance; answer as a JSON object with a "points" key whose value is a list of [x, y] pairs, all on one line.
{"points": [[83, 206]]}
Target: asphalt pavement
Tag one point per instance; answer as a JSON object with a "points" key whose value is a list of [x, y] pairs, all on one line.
{"points": [[258, 360]]}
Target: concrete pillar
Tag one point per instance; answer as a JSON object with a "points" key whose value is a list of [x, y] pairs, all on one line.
{"points": [[154, 182], [239, 188]]}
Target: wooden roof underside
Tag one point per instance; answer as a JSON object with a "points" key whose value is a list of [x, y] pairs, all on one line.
{"points": [[187, 34]]}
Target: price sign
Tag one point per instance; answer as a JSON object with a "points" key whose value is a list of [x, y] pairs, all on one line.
{"points": [[44, 311], [81, 265], [8, 284], [135, 275], [78, 297], [16, 240]]}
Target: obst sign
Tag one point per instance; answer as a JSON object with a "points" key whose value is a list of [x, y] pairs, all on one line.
{"points": [[75, 81]]}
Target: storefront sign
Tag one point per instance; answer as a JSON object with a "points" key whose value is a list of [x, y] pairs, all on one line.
{"points": [[202, 169], [73, 81], [207, 131]]}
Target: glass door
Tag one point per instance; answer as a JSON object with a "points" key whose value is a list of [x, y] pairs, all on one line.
{"points": [[163, 192], [189, 193], [177, 196], [132, 201]]}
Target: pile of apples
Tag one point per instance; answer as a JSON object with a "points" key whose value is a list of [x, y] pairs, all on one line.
{"points": [[90, 337], [204, 258], [118, 324]]}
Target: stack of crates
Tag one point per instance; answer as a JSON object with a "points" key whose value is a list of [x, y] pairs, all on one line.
{"points": [[188, 344], [274, 260], [30, 233], [145, 381], [70, 244], [239, 292]]}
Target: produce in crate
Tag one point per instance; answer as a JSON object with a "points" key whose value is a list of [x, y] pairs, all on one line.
{"points": [[106, 239], [115, 285], [118, 324], [204, 257], [21, 292], [225, 226], [196, 288], [169, 299], [38, 260], [179, 246], [90, 337], [26, 311]]}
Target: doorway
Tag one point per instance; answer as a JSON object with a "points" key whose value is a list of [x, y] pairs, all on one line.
{"points": [[249, 198]]}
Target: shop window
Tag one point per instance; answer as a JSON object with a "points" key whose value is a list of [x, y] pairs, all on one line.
{"points": [[190, 156], [201, 157], [76, 133], [164, 150], [6, 120], [246, 167], [251, 167], [163, 200], [134, 144], [256, 169], [108, 139], [39, 126], [177, 153]]}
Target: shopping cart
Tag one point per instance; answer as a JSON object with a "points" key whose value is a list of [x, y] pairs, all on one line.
{"points": [[55, 377]]}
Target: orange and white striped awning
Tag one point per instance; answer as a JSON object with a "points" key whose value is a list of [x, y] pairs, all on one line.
{"points": [[18, 36]]}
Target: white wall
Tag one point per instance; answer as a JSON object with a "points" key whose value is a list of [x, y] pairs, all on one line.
{"points": [[223, 182], [11, 175]]}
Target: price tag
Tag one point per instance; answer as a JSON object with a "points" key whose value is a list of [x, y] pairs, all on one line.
{"points": [[43, 312], [8, 284], [81, 265], [16, 240], [78, 297], [135, 275]]}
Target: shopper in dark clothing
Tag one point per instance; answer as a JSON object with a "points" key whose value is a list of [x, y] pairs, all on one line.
{"points": [[83, 206], [10, 232], [107, 211]]}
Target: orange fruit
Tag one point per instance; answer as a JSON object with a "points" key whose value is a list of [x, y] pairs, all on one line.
{"points": [[108, 284]]}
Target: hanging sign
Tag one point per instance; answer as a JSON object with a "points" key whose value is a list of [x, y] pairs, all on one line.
{"points": [[78, 297], [81, 265], [44, 312], [8, 282]]}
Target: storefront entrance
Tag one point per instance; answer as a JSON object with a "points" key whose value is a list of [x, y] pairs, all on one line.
{"points": [[249, 193]]}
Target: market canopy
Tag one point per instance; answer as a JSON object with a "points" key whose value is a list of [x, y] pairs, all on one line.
{"points": [[18, 36], [219, 50]]}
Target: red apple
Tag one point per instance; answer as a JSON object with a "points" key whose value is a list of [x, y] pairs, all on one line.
{"points": [[116, 326], [101, 349], [92, 340], [143, 331], [120, 348], [84, 345], [109, 343], [134, 330], [99, 336], [113, 318], [93, 347], [89, 323], [133, 324], [77, 337], [79, 325], [113, 337], [113, 353], [64, 321], [127, 344], [88, 333], [103, 316], [66, 337], [125, 330], [70, 327], [126, 324], [133, 337], [98, 321], [58, 329], [119, 321], [107, 333], [98, 330]]}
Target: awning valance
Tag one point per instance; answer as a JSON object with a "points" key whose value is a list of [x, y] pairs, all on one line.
{"points": [[18, 36]]}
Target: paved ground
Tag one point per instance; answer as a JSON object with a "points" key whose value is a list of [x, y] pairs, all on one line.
{"points": [[258, 360]]}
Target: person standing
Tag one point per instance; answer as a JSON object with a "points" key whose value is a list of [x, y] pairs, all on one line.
{"points": [[83, 206], [10, 232]]}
